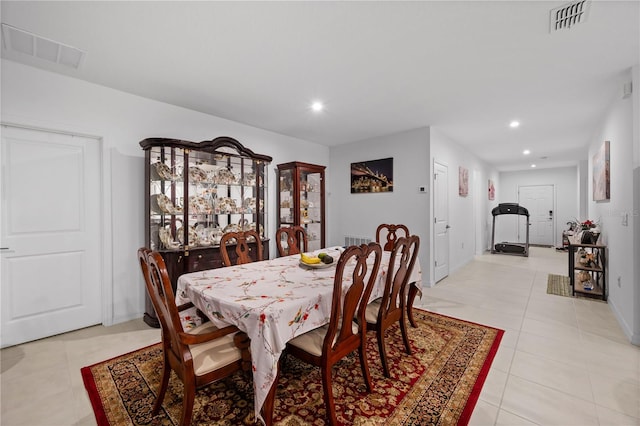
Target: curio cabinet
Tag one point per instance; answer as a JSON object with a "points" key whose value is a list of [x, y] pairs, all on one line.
{"points": [[194, 193]]}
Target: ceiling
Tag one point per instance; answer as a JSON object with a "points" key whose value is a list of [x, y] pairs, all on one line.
{"points": [[465, 67]]}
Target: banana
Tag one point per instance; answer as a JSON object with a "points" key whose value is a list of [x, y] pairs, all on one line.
{"points": [[309, 260]]}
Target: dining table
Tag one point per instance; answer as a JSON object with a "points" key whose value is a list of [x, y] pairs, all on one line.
{"points": [[272, 301]]}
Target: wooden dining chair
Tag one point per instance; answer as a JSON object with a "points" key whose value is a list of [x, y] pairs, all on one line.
{"points": [[291, 240], [325, 346], [199, 356], [391, 308], [390, 234], [242, 240]]}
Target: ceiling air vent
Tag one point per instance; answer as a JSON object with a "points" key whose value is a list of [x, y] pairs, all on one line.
{"points": [[17, 40], [568, 15]]}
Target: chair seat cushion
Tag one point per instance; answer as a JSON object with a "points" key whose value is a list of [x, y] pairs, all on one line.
{"points": [[215, 354], [371, 314], [311, 341]]}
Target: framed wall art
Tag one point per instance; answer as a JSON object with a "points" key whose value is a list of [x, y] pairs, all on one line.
{"points": [[492, 190], [463, 181], [601, 173], [372, 176]]}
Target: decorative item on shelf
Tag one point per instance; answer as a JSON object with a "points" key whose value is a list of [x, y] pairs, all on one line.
{"points": [[586, 225], [199, 205], [196, 174], [164, 204], [215, 234], [583, 276], [193, 236], [587, 260], [160, 171], [588, 231], [232, 227], [249, 179], [204, 239], [167, 240], [244, 225], [225, 205], [249, 204], [225, 177]]}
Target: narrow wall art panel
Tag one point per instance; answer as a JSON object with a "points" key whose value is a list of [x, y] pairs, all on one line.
{"points": [[601, 173], [463, 181]]}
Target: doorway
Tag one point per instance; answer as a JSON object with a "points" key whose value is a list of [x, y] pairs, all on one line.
{"points": [[51, 235], [441, 221], [539, 200]]}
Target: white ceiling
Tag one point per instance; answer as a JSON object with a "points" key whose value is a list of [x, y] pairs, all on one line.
{"points": [[465, 67]]}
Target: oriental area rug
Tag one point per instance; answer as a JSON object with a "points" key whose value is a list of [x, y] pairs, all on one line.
{"points": [[439, 384]]}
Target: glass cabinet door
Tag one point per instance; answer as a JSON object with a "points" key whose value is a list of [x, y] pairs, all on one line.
{"points": [[287, 202], [311, 207], [301, 200], [166, 201]]}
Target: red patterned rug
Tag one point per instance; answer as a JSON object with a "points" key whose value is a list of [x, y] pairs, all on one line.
{"points": [[438, 385]]}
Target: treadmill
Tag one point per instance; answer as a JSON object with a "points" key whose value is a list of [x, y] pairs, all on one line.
{"points": [[517, 249]]}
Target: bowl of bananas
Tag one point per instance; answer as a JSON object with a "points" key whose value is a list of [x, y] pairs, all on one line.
{"points": [[319, 261]]}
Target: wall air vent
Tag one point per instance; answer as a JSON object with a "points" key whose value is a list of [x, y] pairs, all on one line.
{"points": [[26, 43], [568, 15]]}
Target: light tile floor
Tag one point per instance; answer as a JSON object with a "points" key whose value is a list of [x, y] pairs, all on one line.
{"points": [[562, 361]]}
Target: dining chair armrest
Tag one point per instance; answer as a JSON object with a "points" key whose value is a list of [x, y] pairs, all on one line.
{"points": [[194, 339]]}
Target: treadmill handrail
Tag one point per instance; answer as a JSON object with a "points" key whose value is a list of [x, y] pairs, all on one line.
{"points": [[510, 208]]}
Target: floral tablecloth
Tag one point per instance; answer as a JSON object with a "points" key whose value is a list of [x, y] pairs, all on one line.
{"points": [[272, 301]]}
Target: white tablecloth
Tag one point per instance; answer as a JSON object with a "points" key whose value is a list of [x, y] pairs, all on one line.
{"points": [[272, 301]]}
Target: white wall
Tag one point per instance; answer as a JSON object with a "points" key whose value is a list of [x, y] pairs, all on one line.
{"points": [[636, 201], [360, 214], [468, 216], [618, 128], [565, 182], [32, 97], [583, 185]]}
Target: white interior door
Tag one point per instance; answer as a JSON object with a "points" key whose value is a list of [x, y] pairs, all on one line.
{"points": [[538, 199], [441, 221], [51, 239]]}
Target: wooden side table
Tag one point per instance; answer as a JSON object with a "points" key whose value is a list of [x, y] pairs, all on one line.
{"points": [[594, 270]]}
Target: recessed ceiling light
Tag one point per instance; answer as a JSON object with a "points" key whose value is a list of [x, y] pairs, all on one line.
{"points": [[317, 106], [533, 166], [526, 152], [514, 124]]}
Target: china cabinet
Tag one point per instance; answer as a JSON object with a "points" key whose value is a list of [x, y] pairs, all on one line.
{"points": [[301, 200], [195, 192], [587, 269]]}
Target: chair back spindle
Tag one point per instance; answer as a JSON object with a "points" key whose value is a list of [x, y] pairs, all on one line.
{"points": [[390, 233]]}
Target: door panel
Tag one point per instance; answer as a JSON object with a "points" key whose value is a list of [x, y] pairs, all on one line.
{"points": [[538, 199], [51, 272], [441, 221]]}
